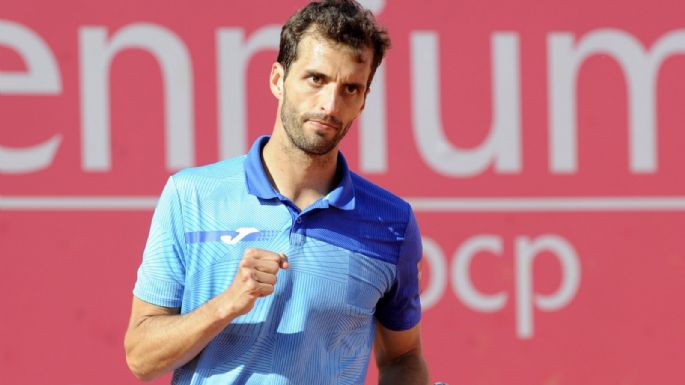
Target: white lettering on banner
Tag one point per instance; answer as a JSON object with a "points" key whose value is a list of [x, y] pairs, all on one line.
{"points": [[436, 260], [96, 57], [375, 6], [41, 77], [502, 147], [501, 150], [641, 72], [461, 281], [373, 142], [234, 56], [526, 250]]}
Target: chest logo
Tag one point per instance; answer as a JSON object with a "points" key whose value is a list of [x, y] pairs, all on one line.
{"points": [[242, 233]]}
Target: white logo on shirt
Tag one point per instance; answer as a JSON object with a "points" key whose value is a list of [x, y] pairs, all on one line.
{"points": [[242, 233]]}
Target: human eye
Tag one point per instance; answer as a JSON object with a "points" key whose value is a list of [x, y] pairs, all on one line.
{"points": [[315, 79], [352, 89]]}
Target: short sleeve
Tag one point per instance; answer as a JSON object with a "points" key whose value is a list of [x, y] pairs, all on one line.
{"points": [[400, 308], [162, 272]]}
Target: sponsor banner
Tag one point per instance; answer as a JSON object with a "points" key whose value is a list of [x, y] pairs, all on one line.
{"points": [[538, 142]]}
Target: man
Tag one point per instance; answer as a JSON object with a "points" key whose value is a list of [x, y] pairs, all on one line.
{"points": [[282, 266]]}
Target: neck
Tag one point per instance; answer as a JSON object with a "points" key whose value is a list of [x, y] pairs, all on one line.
{"points": [[301, 177]]}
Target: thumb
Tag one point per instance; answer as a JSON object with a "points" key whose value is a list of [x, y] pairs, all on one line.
{"points": [[284, 261]]}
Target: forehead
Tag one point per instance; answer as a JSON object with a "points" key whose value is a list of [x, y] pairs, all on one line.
{"points": [[316, 53]]}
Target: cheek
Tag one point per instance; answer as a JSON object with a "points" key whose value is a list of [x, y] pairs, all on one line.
{"points": [[302, 102], [354, 109]]}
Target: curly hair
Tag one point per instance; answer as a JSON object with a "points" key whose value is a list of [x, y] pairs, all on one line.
{"points": [[343, 21]]}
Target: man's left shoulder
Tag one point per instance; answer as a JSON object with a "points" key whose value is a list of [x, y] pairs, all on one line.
{"points": [[370, 196]]}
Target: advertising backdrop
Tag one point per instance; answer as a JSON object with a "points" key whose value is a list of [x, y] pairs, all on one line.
{"points": [[539, 142]]}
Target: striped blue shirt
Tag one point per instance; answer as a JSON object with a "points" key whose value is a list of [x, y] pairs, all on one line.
{"points": [[352, 254]]}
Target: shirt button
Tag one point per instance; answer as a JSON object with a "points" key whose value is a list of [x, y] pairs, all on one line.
{"points": [[298, 220]]}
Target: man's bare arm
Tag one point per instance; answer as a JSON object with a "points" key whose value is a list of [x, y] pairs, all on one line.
{"points": [[158, 339], [399, 357]]}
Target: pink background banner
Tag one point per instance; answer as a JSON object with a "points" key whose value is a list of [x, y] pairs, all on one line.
{"points": [[539, 142]]}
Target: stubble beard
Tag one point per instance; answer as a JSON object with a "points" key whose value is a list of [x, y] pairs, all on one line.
{"points": [[314, 145]]}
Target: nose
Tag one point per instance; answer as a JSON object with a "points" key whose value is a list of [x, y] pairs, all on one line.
{"points": [[330, 100]]}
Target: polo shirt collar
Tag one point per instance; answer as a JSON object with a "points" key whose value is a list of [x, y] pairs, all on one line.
{"points": [[258, 184], [342, 195]]}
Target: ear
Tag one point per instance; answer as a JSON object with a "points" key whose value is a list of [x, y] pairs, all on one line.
{"points": [[276, 80]]}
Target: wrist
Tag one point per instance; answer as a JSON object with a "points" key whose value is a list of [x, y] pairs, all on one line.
{"points": [[222, 309]]}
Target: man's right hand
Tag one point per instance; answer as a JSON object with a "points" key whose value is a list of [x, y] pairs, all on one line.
{"points": [[256, 277], [160, 339]]}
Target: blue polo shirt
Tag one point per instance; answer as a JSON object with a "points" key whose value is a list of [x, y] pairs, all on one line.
{"points": [[352, 254]]}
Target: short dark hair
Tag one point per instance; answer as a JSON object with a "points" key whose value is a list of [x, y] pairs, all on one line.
{"points": [[343, 21]]}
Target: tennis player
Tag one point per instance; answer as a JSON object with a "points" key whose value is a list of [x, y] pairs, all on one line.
{"points": [[282, 266]]}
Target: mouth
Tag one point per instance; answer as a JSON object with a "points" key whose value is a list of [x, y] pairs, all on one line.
{"points": [[324, 125]]}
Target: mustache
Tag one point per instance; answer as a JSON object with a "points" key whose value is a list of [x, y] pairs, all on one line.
{"points": [[328, 119]]}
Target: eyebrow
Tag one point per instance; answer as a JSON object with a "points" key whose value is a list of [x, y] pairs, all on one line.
{"points": [[308, 73]]}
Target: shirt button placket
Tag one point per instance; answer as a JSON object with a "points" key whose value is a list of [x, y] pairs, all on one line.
{"points": [[296, 236]]}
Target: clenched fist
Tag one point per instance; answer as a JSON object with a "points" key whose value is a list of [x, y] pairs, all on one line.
{"points": [[256, 277]]}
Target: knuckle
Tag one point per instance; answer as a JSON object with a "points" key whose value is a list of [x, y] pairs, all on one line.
{"points": [[246, 262], [273, 266], [254, 276], [268, 289]]}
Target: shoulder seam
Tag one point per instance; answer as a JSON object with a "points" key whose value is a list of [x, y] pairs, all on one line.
{"points": [[183, 224]]}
